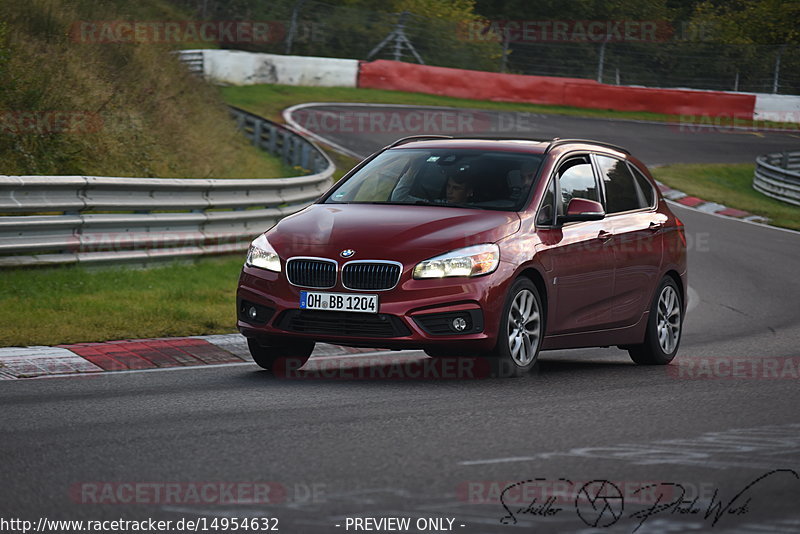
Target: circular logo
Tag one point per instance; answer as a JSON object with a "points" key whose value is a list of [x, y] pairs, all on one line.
{"points": [[347, 253], [599, 503]]}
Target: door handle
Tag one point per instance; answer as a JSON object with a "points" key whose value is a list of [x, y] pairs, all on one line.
{"points": [[604, 236], [654, 226]]}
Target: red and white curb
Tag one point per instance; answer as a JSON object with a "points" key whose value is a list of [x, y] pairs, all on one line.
{"points": [[138, 354], [705, 206]]}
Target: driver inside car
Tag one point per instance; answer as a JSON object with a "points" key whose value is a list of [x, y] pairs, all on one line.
{"points": [[457, 190]]}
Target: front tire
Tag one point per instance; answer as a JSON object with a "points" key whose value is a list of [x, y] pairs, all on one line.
{"points": [[664, 327], [521, 331], [438, 353], [275, 353]]}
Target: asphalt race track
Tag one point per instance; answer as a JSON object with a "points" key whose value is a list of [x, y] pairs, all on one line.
{"points": [[333, 449], [364, 129]]}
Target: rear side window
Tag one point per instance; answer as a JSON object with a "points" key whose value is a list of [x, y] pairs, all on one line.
{"points": [[644, 185], [623, 193]]}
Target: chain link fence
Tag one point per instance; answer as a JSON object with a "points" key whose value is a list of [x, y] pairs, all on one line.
{"points": [[694, 65], [678, 57]]}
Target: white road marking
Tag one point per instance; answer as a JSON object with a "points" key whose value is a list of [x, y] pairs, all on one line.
{"points": [[287, 116], [736, 448], [155, 370]]}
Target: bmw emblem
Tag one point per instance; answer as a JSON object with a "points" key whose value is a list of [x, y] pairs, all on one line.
{"points": [[347, 253]]}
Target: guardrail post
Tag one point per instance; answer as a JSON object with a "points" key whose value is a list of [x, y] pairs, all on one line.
{"points": [[286, 148], [263, 142], [784, 160], [271, 142], [305, 152], [296, 155], [777, 73], [257, 133]]}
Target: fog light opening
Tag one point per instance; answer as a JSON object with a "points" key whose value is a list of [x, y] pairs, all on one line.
{"points": [[459, 324], [253, 313]]}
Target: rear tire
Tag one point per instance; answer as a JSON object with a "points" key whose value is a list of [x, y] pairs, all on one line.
{"points": [[664, 327], [521, 331], [276, 352]]}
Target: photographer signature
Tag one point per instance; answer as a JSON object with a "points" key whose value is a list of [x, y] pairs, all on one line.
{"points": [[601, 503]]}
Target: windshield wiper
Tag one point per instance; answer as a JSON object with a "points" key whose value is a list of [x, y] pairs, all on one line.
{"points": [[445, 204]]}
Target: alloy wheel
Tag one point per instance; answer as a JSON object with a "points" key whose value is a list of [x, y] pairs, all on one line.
{"points": [[524, 325], [669, 319]]}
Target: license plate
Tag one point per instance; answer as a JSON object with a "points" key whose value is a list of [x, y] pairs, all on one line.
{"points": [[312, 300]]}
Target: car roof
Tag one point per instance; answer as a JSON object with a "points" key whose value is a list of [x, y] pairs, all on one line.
{"points": [[510, 144], [505, 145]]}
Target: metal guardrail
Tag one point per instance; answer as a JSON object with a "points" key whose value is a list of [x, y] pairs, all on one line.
{"points": [[193, 60], [778, 176], [48, 220]]}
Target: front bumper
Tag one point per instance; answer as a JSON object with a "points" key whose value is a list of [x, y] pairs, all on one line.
{"points": [[415, 314]]}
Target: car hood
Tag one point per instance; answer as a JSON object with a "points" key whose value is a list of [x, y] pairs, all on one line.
{"points": [[377, 231]]}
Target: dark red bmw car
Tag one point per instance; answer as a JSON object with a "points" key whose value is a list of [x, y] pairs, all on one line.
{"points": [[498, 248]]}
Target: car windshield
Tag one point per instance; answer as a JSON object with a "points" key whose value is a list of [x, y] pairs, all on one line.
{"points": [[443, 177]]}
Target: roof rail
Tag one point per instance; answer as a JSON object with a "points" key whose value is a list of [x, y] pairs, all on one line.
{"points": [[558, 142], [501, 138], [412, 138]]}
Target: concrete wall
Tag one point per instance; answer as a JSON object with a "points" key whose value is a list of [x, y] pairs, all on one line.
{"points": [[782, 108], [246, 68], [479, 85]]}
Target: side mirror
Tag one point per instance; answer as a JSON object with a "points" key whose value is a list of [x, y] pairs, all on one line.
{"points": [[581, 209]]}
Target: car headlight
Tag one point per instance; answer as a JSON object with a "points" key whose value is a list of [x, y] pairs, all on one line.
{"points": [[263, 256], [469, 261]]}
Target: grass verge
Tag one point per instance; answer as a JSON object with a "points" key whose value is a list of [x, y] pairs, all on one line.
{"points": [[86, 107], [731, 185], [51, 306]]}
